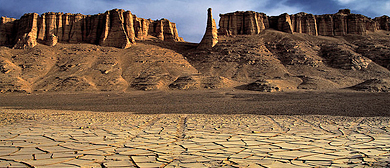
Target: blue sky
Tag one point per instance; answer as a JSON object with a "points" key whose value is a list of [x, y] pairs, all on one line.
{"points": [[190, 15]]}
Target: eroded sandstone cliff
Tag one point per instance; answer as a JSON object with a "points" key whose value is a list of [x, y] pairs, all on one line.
{"points": [[114, 28], [339, 24], [239, 22]]}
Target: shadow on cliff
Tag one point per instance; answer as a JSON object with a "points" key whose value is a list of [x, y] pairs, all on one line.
{"points": [[179, 47]]}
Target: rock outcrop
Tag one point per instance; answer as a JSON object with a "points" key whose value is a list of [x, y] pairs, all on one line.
{"points": [[198, 81], [373, 85], [6, 29], [52, 40], [114, 28], [210, 38], [26, 31], [272, 85], [339, 24], [343, 57], [248, 22], [384, 22]]}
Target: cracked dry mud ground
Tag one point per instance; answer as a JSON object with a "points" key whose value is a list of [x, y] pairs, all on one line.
{"points": [[65, 138]]}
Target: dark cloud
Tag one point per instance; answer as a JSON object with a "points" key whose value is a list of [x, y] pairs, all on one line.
{"points": [[316, 6], [190, 15]]}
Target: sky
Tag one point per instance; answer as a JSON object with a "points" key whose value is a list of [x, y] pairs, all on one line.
{"points": [[190, 16]]}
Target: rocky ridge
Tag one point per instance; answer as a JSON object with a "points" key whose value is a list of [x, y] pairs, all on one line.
{"points": [[114, 28], [339, 24]]}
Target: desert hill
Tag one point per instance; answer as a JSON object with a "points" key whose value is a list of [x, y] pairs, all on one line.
{"points": [[294, 61], [272, 55]]}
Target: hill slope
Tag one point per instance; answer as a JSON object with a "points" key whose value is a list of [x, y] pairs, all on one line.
{"points": [[304, 61], [87, 67], [272, 59]]}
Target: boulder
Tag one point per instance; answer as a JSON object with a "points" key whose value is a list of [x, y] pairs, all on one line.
{"points": [[52, 40]]}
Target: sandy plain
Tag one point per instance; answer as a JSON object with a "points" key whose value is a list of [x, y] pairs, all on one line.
{"points": [[206, 128]]}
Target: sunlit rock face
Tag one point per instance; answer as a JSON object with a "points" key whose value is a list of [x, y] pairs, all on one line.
{"points": [[114, 28]]}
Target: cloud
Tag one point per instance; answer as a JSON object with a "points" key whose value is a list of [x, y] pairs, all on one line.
{"points": [[346, 1], [370, 8], [280, 7]]}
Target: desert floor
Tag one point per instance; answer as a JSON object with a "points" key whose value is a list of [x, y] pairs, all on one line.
{"points": [[206, 128]]}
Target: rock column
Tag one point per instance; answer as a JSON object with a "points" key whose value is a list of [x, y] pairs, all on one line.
{"points": [[210, 38]]}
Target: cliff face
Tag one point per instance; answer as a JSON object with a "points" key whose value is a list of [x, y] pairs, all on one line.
{"points": [[384, 22], [114, 28], [338, 24], [6, 28], [248, 22]]}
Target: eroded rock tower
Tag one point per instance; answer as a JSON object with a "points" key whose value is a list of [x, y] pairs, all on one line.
{"points": [[210, 38]]}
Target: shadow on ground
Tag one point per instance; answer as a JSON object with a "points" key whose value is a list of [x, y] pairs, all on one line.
{"points": [[336, 103]]}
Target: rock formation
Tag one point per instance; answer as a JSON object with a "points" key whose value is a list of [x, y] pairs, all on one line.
{"points": [[114, 28], [248, 22], [304, 23], [114, 32], [384, 22], [26, 31], [6, 27], [373, 85], [210, 38], [52, 40], [338, 24]]}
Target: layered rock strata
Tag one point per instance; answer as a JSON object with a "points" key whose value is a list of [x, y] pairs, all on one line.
{"points": [[248, 22], [114, 28], [210, 38], [339, 24]]}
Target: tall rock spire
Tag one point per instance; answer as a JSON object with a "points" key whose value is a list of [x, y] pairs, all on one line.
{"points": [[210, 38]]}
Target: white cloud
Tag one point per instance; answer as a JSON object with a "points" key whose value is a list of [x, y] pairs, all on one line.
{"points": [[346, 1]]}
